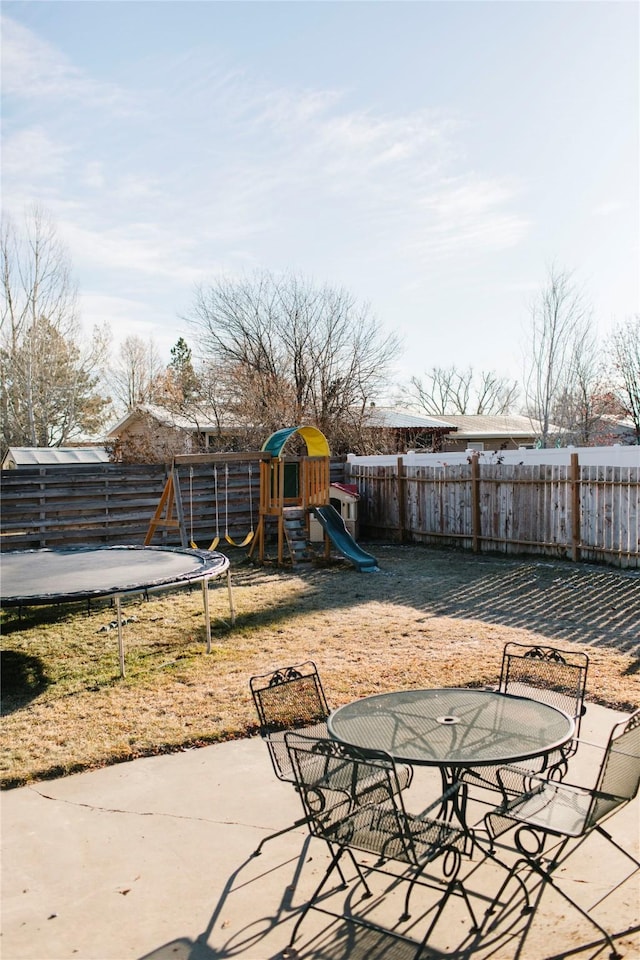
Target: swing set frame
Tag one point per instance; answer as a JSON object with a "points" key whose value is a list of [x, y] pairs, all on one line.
{"points": [[170, 513]]}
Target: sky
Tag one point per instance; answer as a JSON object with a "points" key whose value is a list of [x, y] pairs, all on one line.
{"points": [[434, 159]]}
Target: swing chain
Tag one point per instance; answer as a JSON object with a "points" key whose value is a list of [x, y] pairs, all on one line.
{"points": [[191, 540]]}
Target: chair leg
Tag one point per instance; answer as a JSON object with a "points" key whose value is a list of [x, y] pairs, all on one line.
{"points": [[608, 836], [512, 874], [548, 878], [292, 826], [334, 865], [451, 887], [451, 869], [361, 875]]}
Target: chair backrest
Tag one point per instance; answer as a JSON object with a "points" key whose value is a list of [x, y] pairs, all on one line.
{"points": [[556, 677], [619, 776], [351, 799], [289, 698]]}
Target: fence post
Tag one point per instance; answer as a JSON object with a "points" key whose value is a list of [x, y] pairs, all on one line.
{"points": [[575, 508], [475, 503], [402, 497]]}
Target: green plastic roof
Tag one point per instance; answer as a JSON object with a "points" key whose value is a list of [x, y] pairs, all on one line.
{"points": [[317, 445]]}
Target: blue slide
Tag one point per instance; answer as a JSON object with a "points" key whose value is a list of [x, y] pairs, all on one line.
{"points": [[335, 528]]}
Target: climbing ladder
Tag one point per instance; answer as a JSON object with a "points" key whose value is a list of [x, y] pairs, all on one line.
{"points": [[294, 524]]}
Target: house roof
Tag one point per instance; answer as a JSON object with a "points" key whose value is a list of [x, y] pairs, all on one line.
{"points": [[386, 417], [51, 456], [395, 418], [478, 426], [203, 420]]}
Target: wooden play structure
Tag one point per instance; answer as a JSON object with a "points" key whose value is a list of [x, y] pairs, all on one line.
{"points": [[289, 488], [292, 490]]}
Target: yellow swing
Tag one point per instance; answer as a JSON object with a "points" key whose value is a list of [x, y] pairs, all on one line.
{"points": [[249, 537], [216, 540]]}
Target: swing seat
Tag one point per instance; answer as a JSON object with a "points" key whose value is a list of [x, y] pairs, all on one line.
{"points": [[245, 543], [212, 546]]}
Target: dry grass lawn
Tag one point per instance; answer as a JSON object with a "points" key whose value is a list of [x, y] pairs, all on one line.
{"points": [[428, 618]]}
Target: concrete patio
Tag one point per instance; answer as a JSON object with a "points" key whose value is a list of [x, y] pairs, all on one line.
{"points": [[152, 859]]}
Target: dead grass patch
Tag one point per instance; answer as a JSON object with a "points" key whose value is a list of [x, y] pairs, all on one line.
{"points": [[428, 618]]}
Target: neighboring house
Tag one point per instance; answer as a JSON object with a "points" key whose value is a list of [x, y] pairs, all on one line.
{"points": [[153, 433], [478, 432], [17, 457], [409, 430], [150, 432]]}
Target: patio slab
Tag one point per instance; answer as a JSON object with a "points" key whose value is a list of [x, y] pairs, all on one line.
{"points": [[152, 859]]}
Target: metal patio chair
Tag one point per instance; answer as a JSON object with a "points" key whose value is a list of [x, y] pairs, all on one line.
{"points": [[552, 676], [557, 817], [354, 802], [292, 698]]}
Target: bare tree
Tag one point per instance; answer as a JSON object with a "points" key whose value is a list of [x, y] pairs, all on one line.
{"points": [[135, 377], [624, 351], [449, 390], [288, 352], [49, 377], [560, 329], [584, 401]]}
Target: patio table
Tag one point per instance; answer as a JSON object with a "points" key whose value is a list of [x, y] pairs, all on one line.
{"points": [[452, 728]]}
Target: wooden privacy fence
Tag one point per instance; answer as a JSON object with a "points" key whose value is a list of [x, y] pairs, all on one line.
{"points": [[580, 512], [574, 511], [112, 503]]}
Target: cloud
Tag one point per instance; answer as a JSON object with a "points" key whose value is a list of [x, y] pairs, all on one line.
{"points": [[468, 213], [33, 155], [607, 208], [227, 170], [388, 173], [127, 317], [34, 69], [143, 248]]}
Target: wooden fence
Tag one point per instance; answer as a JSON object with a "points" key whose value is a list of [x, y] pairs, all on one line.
{"points": [[581, 513], [113, 503]]}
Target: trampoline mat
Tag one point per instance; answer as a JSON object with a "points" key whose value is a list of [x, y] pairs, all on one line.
{"points": [[52, 576]]}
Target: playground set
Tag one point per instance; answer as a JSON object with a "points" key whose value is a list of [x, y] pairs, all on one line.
{"points": [[295, 493]]}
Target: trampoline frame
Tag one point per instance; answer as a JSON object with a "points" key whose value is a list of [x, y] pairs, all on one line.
{"points": [[204, 575]]}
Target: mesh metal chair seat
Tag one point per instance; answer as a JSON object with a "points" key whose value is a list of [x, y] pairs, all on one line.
{"points": [[552, 676], [292, 699], [568, 813], [354, 803]]}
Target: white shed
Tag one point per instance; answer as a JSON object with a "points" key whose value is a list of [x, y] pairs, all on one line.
{"points": [[17, 457]]}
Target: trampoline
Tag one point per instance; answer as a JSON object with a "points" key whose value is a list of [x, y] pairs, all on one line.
{"points": [[31, 577]]}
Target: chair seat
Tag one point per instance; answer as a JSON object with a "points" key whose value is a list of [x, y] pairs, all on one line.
{"points": [[278, 748], [377, 828], [558, 808]]}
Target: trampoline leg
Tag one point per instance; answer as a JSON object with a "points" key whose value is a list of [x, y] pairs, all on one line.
{"points": [[231, 606], [207, 621], [120, 640]]}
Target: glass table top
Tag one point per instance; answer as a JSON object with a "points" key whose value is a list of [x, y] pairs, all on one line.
{"points": [[452, 726]]}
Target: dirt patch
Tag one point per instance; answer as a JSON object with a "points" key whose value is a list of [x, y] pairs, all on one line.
{"points": [[427, 618]]}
